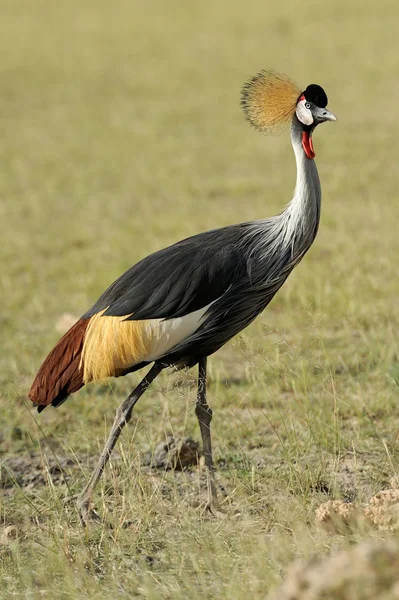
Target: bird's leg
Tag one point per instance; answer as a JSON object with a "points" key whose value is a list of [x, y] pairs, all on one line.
{"points": [[123, 416], [204, 416]]}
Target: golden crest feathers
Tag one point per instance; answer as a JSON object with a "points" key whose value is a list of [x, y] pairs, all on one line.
{"points": [[269, 99]]}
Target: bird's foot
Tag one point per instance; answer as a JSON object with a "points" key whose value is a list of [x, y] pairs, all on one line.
{"points": [[213, 506], [215, 510], [86, 513]]}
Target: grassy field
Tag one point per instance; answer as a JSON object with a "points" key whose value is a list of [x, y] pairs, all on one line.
{"points": [[121, 132]]}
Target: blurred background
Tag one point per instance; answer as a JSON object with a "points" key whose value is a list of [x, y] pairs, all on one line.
{"points": [[121, 132]]}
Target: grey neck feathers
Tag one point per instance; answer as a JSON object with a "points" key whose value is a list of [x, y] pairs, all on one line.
{"points": [[282, 241], [300, 220]]}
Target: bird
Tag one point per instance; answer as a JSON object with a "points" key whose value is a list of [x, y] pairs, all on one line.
{"points": [[179, 305]]}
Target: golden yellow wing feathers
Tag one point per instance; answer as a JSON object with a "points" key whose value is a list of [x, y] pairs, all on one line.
{"points": [[113, 344]]}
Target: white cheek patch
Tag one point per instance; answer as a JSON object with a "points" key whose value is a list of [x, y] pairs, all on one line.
{"points": [[303, 113]]}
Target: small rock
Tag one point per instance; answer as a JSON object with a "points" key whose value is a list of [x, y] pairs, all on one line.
{"points": [[174, 453], [336, 514], [366, 572], [8, 535], [383, 510]]}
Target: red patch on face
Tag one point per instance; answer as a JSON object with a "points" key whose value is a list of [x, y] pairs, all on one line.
{"points": [[307, 144]]}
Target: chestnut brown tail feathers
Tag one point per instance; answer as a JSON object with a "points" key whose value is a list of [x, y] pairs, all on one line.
{"points": [[61, 373]]}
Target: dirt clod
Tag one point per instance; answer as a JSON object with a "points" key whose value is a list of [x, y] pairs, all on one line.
{"points": [[367, 572], [8, 535], [336, 513], [383, 510], [174, 453]]}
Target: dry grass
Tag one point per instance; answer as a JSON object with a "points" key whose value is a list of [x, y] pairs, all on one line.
{"points": [[121, 132]]}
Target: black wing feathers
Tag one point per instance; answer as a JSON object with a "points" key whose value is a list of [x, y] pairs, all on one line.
{"points": [[179, 279]]}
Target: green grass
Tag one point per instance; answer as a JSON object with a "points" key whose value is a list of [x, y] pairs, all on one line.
{"points": [[121, 132]]}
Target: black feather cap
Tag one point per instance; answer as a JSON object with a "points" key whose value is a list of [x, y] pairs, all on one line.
{"points": [[314, 93]]}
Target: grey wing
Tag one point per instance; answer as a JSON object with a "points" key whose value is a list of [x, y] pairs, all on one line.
{"points": [[229, 315], [177, 280]]}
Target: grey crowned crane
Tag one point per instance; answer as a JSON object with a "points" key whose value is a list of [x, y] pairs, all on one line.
{"points": [[181, 304]]}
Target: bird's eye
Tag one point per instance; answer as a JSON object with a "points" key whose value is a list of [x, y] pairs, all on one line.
{"points": [[307, 105]]}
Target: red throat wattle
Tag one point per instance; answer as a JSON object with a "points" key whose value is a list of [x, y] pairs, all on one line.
{"points": [[307, 144]]}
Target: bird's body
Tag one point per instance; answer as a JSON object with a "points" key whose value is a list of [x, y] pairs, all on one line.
{"points": [[181, 304], [186, 301]]}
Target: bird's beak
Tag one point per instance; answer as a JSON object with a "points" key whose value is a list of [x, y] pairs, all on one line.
{"points": [[329, 116], [325, 115]]}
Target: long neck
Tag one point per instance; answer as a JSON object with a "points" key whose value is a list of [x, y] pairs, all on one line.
{"points": [[302, 215]]}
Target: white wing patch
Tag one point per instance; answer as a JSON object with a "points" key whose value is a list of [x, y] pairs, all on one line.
{"points": [[114, 344], [163, 335]]}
